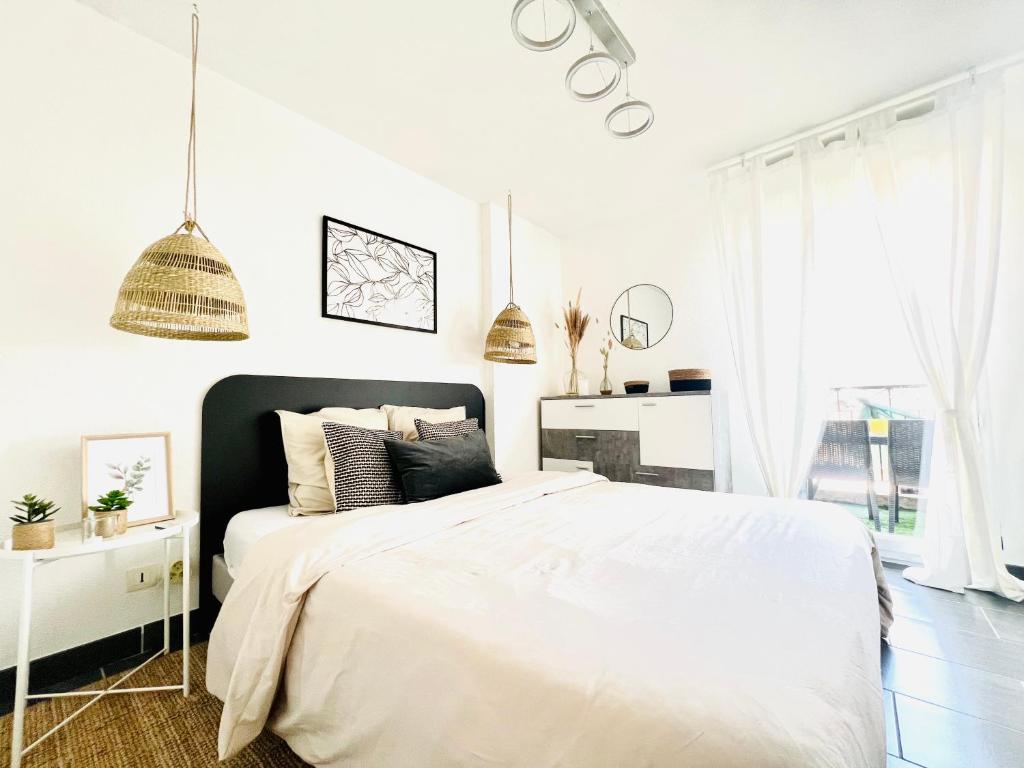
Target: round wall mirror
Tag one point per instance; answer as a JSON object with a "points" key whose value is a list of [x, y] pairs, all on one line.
{"points": [[641, 316]]}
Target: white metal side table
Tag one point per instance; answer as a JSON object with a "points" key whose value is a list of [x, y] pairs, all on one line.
{"points": [[69, 544]]}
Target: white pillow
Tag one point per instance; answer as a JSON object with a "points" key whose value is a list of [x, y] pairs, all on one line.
{"points": [[403, 417], [304, 451]]}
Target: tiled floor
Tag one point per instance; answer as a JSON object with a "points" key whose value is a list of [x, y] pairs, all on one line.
{"points": [[954, 679]]}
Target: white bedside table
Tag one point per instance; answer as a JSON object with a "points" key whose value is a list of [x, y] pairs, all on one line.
{"points": [[69, 544]]}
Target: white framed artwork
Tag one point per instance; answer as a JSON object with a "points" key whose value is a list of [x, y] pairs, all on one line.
{"points": [[139, 465]]}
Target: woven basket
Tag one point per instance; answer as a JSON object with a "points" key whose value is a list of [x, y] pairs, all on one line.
{"points": [[33, 535], [636, 386], [510, 339], [684, 374], [181, 287]]}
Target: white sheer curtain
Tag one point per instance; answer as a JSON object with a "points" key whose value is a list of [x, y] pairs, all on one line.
{"points": [[764, 226], [1002, 414], [941, 187], [937, 181]]}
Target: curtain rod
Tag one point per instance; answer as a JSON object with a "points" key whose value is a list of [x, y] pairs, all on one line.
{"points": [[910, 96]]}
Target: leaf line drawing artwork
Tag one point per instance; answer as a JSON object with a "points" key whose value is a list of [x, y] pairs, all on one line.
{"points": [[372, 278]]}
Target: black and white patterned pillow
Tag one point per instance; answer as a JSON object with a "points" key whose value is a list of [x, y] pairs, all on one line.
{"points": [[363, 475], [445, 429]]}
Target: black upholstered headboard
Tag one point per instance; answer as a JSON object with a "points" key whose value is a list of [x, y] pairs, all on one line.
{"points": [[243, 465]]}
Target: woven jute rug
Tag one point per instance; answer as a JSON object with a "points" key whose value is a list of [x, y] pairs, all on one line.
{"points": [[139, 730]]}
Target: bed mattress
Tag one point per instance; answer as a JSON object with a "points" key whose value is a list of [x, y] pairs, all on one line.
{"points": [[248, 527]]}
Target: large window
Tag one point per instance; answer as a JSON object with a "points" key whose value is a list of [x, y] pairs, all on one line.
{"points": [[873, 457]]}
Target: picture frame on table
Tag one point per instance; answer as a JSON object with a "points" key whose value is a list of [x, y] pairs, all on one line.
{"points": [[139, 464]]}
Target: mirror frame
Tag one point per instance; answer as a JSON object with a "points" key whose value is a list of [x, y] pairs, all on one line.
{"points": [[671, 317]]}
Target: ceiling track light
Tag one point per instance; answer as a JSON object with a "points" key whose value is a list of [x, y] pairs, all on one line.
{"points": [[593, 59], [547, 44], [630, 105], [618, 55]]}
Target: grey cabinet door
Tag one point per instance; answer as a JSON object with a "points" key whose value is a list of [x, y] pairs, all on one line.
{"points": [[673, 477], [616, 455]]}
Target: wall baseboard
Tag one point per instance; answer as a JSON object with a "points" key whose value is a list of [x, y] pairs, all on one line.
{"points": [[56, 668]]}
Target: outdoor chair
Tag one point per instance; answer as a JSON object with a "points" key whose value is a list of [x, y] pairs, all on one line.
{"points": [[844, 453], [907, 438]]}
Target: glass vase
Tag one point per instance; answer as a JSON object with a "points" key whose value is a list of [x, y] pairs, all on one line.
{"points": [[605, 388], [576, 383]]}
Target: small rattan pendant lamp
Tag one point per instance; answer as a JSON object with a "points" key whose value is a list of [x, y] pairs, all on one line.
{"points": [[510, 339], [181, 287]]}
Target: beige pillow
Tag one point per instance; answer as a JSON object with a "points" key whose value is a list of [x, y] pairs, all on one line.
{"points": [[403, 417], [304, 451]]}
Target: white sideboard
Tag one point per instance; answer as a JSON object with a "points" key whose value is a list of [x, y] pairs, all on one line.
{"points": [[657, 439]]}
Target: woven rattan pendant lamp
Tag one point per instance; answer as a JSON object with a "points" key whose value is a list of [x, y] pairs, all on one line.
{"points": [[510, 339], [181, 287]]}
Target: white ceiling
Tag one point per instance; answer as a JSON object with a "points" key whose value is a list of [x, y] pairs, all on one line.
{"points": [[441, 87]]}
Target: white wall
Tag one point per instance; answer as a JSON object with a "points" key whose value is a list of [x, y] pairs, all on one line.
{"points": [[672, 248], [92, 149], [513, 417]]}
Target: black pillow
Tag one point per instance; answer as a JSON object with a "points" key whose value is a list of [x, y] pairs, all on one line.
{"points": [[435, 468]]}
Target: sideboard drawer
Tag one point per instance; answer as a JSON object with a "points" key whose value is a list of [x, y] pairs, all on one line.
{"points": [[674, 477], [589, 413], [566, 465]]}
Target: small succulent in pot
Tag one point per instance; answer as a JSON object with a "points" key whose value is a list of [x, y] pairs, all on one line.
{"points": [[34, 527], [114, 503]]}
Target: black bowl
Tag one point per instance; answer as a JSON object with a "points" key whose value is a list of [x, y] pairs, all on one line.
{"points": [[637, 389], [690, 385]]}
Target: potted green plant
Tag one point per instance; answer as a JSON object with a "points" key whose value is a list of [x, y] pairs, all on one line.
{"points": [[33, 528], [113, 505]]}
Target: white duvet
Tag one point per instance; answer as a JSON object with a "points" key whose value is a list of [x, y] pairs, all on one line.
{"points": [[560, 620]]}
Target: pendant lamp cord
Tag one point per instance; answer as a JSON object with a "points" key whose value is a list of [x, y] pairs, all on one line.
{"points": [[190, 163], [511, 294]]}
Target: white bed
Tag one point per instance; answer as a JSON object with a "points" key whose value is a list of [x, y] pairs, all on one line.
{"points": [[559, 619], [248, 527], [243, 531]]}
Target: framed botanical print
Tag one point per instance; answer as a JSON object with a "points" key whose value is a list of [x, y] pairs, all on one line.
{"points": [[136, 465], [372, 278]]}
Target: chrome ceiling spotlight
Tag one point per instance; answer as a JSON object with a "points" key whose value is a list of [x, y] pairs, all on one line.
{"points": [[542, 45], [624, 113]]}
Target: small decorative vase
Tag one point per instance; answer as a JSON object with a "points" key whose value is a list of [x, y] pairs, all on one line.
{"points": [[122, 521], [89, 528], [575, 383], [605, 388], [33, 535]]}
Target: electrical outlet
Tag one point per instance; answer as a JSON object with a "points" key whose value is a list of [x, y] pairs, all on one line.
{"points": [[177, 572], [142, 577]]}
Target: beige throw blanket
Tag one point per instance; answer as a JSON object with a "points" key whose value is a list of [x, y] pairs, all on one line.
{"points": [[560, 620]]}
